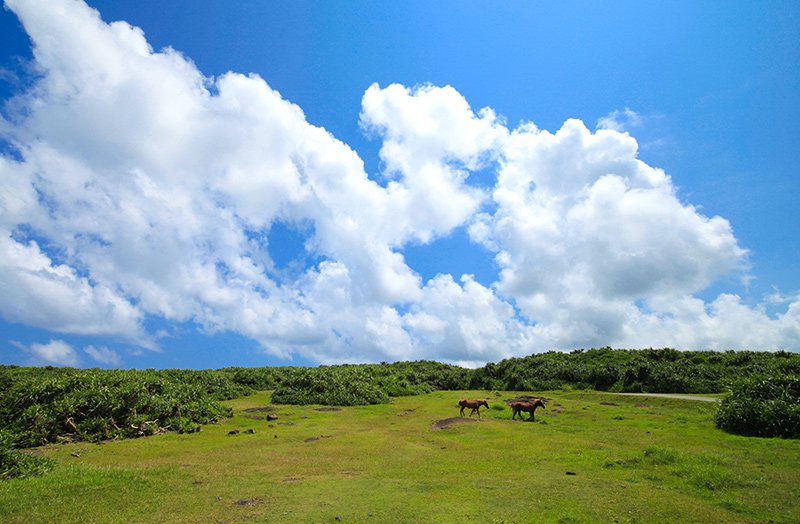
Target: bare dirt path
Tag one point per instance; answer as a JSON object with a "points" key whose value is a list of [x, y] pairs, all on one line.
{"points": [[670, 395]]}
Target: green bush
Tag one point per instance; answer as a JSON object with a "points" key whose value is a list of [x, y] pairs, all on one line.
{"points": [[650, 370], [50, 404], [332, 386], [42, 405], [763, 406], [19, 464]]}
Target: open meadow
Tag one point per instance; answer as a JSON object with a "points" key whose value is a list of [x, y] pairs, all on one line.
{"points": [[588, 457]]}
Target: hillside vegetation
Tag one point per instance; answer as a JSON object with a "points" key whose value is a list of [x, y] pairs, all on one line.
{"points": [[45, 405], [589, 457]]}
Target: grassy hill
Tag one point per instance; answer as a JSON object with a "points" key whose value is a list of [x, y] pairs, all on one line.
{"points": [[588, 457]]}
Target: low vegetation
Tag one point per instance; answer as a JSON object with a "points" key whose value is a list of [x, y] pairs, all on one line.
{"points": [[19, 464], [763, 406], [332, 386], [588, 457], [46, 405], [650, 370]]}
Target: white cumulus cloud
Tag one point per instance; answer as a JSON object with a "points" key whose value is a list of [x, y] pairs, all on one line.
{"points": [[104, 355], [142, 188], [55, 352]]}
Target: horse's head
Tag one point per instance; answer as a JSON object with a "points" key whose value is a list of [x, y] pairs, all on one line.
{"points": [[539, 402], [483, 403]]}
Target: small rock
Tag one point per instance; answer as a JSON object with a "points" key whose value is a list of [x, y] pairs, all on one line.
{"points": [[233, 432], [571, 473], [250, 431], [272, 416], [275, 436], [338, 518]]}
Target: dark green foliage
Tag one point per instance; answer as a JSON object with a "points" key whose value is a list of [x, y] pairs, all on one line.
{"points": [[263, 378], [332, 386], [43, 405], [763, 406], [423, 376], [291, 384], [649, 370], [19, 464]]}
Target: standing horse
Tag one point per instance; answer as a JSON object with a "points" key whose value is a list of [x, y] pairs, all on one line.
{"points": [[527, 407], [475, 405]]}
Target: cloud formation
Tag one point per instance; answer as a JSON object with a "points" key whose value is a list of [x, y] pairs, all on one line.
{"points": [[55, 352], [141, 188]]}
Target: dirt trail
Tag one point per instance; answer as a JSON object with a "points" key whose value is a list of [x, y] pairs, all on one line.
{"points": [[670, 395]]}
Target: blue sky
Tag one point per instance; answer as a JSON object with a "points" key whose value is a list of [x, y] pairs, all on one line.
{"points": [[632, 183]]}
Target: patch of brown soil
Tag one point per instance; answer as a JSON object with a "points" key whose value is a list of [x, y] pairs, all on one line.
{"points": [[264, 409], [608, 404], [253, 417], [327, 409], [644, 406], [405, 412], [314, 439], [293, 479], [446, 423], [254, 501]]}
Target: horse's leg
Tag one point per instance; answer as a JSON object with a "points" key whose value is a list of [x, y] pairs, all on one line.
{"points": [[462, 411]]}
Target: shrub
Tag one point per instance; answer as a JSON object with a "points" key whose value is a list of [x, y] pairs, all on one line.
{"points": [[762, 406], [19, 464], [332, 386], [44, 406]]}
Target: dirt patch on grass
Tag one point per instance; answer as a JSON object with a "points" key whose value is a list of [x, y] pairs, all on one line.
{"points": [[253, 417], [608, 404], [327, 409], [314, 439], [446, 423], [254, 501], [263, 409], [406, 412], [644, 406], [293, 479]]}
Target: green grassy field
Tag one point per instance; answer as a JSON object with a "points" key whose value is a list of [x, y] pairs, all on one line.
{"points": [[589, 457]]}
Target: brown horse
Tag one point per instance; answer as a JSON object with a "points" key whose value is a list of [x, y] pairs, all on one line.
{"points": [[475, 405], [528, 407]]}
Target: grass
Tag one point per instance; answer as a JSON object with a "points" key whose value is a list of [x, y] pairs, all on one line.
{"points": [[630, 459]]}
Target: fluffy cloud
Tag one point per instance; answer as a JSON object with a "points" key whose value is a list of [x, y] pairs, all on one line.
{"points": [[55, 352], [584, 229], [104, 355], [620, 120], [141, 188]]}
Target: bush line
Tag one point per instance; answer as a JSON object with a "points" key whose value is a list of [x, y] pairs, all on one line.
{"points": [[48, 404]]}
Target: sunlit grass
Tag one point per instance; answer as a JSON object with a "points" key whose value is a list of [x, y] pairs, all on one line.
{"points": [[588, 457]]}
